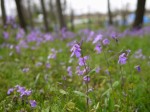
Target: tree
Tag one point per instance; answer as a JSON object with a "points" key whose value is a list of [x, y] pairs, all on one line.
{"points": [[139, 14], [72, 19], [45, 16], [109, 13], [60, 14], [30, 13], [20, 14], [52, 11], [3, 12]]}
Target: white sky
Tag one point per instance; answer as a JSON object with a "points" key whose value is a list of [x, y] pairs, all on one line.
{"points": [[84, 6]]}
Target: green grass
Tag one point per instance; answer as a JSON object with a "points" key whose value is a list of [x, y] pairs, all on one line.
{"points": [[53, 94]]}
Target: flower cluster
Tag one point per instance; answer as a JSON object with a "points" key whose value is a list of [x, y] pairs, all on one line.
{"points": [[82, 69], [23, 94], [76, 50]]}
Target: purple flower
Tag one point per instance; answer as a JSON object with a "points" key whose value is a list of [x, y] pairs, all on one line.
{"points": [[122, 59], [48, 65], [98, 48], [82, 61], [107, 72], [138, 68], [98, 69], [25, 70], [26, 93], [33, 103], [6, 35], [38, 64], [114, 36], [80, 72], [10, 91], [20, 34], [105, 42], [69, 71], [97, 38], [86, 79], [53, 54], [76, 50], [17, 49], [128, 51], [20, 89]]}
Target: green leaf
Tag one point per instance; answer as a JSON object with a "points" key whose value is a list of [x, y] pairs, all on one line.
{"points": [[91, 72], [63, 92], [70, 107], [80, 94], [107, 92], [37, 78], [115, 84], [111, 104]]}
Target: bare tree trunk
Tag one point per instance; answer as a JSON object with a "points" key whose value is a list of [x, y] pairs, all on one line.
{"points": [[3, 12], [20, 14], [45, 16], [52, 11], [51, 6], [109, 13], [60, 14], [72, 19], [30, 14], [138, 22]]}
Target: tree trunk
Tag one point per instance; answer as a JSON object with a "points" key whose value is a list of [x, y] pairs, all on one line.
{"points": [[30, 14], [45, 16], [52, 11], [109, 13], [3, 12], [20, 14], [72, 19], [60, 14], [139, 14]]}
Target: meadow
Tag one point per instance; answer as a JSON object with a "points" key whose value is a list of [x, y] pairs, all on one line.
{"points": [[83, 71]]}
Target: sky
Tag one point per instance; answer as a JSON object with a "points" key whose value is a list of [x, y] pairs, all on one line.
{"points": [[85, 6]]}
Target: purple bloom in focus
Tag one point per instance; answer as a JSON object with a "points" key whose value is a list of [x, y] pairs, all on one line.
{"points": [[105, 42], [97, 38], [138, 68], [20, 89], [82, 61], [76, 50], [122, 59], [86, 79], [98, 48], [26, 93], [33, 103], [10, 91]]}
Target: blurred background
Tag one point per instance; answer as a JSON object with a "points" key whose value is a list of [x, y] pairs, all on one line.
{"points": [[53, 15]]}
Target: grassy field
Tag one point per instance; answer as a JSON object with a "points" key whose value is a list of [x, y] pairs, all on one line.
{"points": [[40, 66]]}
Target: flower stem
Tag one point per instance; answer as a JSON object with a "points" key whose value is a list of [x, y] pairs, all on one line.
{"points": [[110, 81]]}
